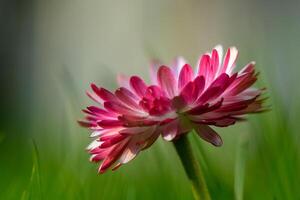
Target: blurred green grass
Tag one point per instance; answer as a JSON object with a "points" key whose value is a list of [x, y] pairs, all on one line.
{"points": [[259, 160]]}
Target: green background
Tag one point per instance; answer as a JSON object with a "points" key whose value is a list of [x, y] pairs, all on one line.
{"points": [[52, 50]]}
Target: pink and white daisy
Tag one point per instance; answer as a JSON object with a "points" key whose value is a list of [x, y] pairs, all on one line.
{"points": [[178, 100]]}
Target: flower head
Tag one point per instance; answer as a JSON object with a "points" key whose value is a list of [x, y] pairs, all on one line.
{"points": [[178, 100]]}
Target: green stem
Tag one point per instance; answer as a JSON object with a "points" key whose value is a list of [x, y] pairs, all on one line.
{"points": [[192, 168]]}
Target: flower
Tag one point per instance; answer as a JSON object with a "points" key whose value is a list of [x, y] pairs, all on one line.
{"points": [[177, 101]]}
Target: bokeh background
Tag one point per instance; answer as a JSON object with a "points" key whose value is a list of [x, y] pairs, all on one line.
{"points": [[50, 51]]}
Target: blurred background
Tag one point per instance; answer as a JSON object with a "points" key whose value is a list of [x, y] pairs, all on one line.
{"points": [[50, 51]]}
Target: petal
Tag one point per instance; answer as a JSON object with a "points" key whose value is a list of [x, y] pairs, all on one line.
{"points": [[110, 123], [229, 60], [113, 155], [133, 130], [100, 112], [167, 81], [127, 97], [170, 130], [199, 83], [249, 68], [242, 83], [209, 135], [177, 65], [138, 85], [219, 49], [103, 93], [192, 90], [215, 89], [153, 92], [215, 62], [185, 76], [99, 155], [130, 152], [204, 65], [111, 140], [87, 124], [122, 109], [94, 97]]}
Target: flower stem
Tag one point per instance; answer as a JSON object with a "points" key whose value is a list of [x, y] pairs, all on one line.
{"points": [[192, 168]]}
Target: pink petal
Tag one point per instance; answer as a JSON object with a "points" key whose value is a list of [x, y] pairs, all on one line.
{"points": [[170, 130], [209, 135], [122, 109], [151, 139], [215, 62], [94, 97], [249, 68], [185, 76], [192, 90], [98, 157], [100, 112], [127, 97], [204, 65], [87, 124], [130, 152], [138, 86], [204, 108], [103, 93], [133, 130], [153, 92], [242, 83], [177, 65], [229, 60], [215, 89], [219, 49], [111, 140], [167, 81], [113, 155], [110, 123]]}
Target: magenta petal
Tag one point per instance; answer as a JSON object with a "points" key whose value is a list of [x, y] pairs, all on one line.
{"points": [[249, 68], [167, 81], [185, 76], [113, 155], [122, 109], [87, 124], [193, 89], [111, 140], [100, 112], [209, 135], [170, 130], [153, 92], [138, 86], [242, 83], [204, 65], [199, 84], [103, 93], [177, 64], [186, 93], [229, 60], [110, 123], [127, 97], [225, 122], [214, 63], [215, 89], [130, 153]]}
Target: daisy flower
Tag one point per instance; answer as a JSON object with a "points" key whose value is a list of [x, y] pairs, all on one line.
{"points": [[179, 99]]}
